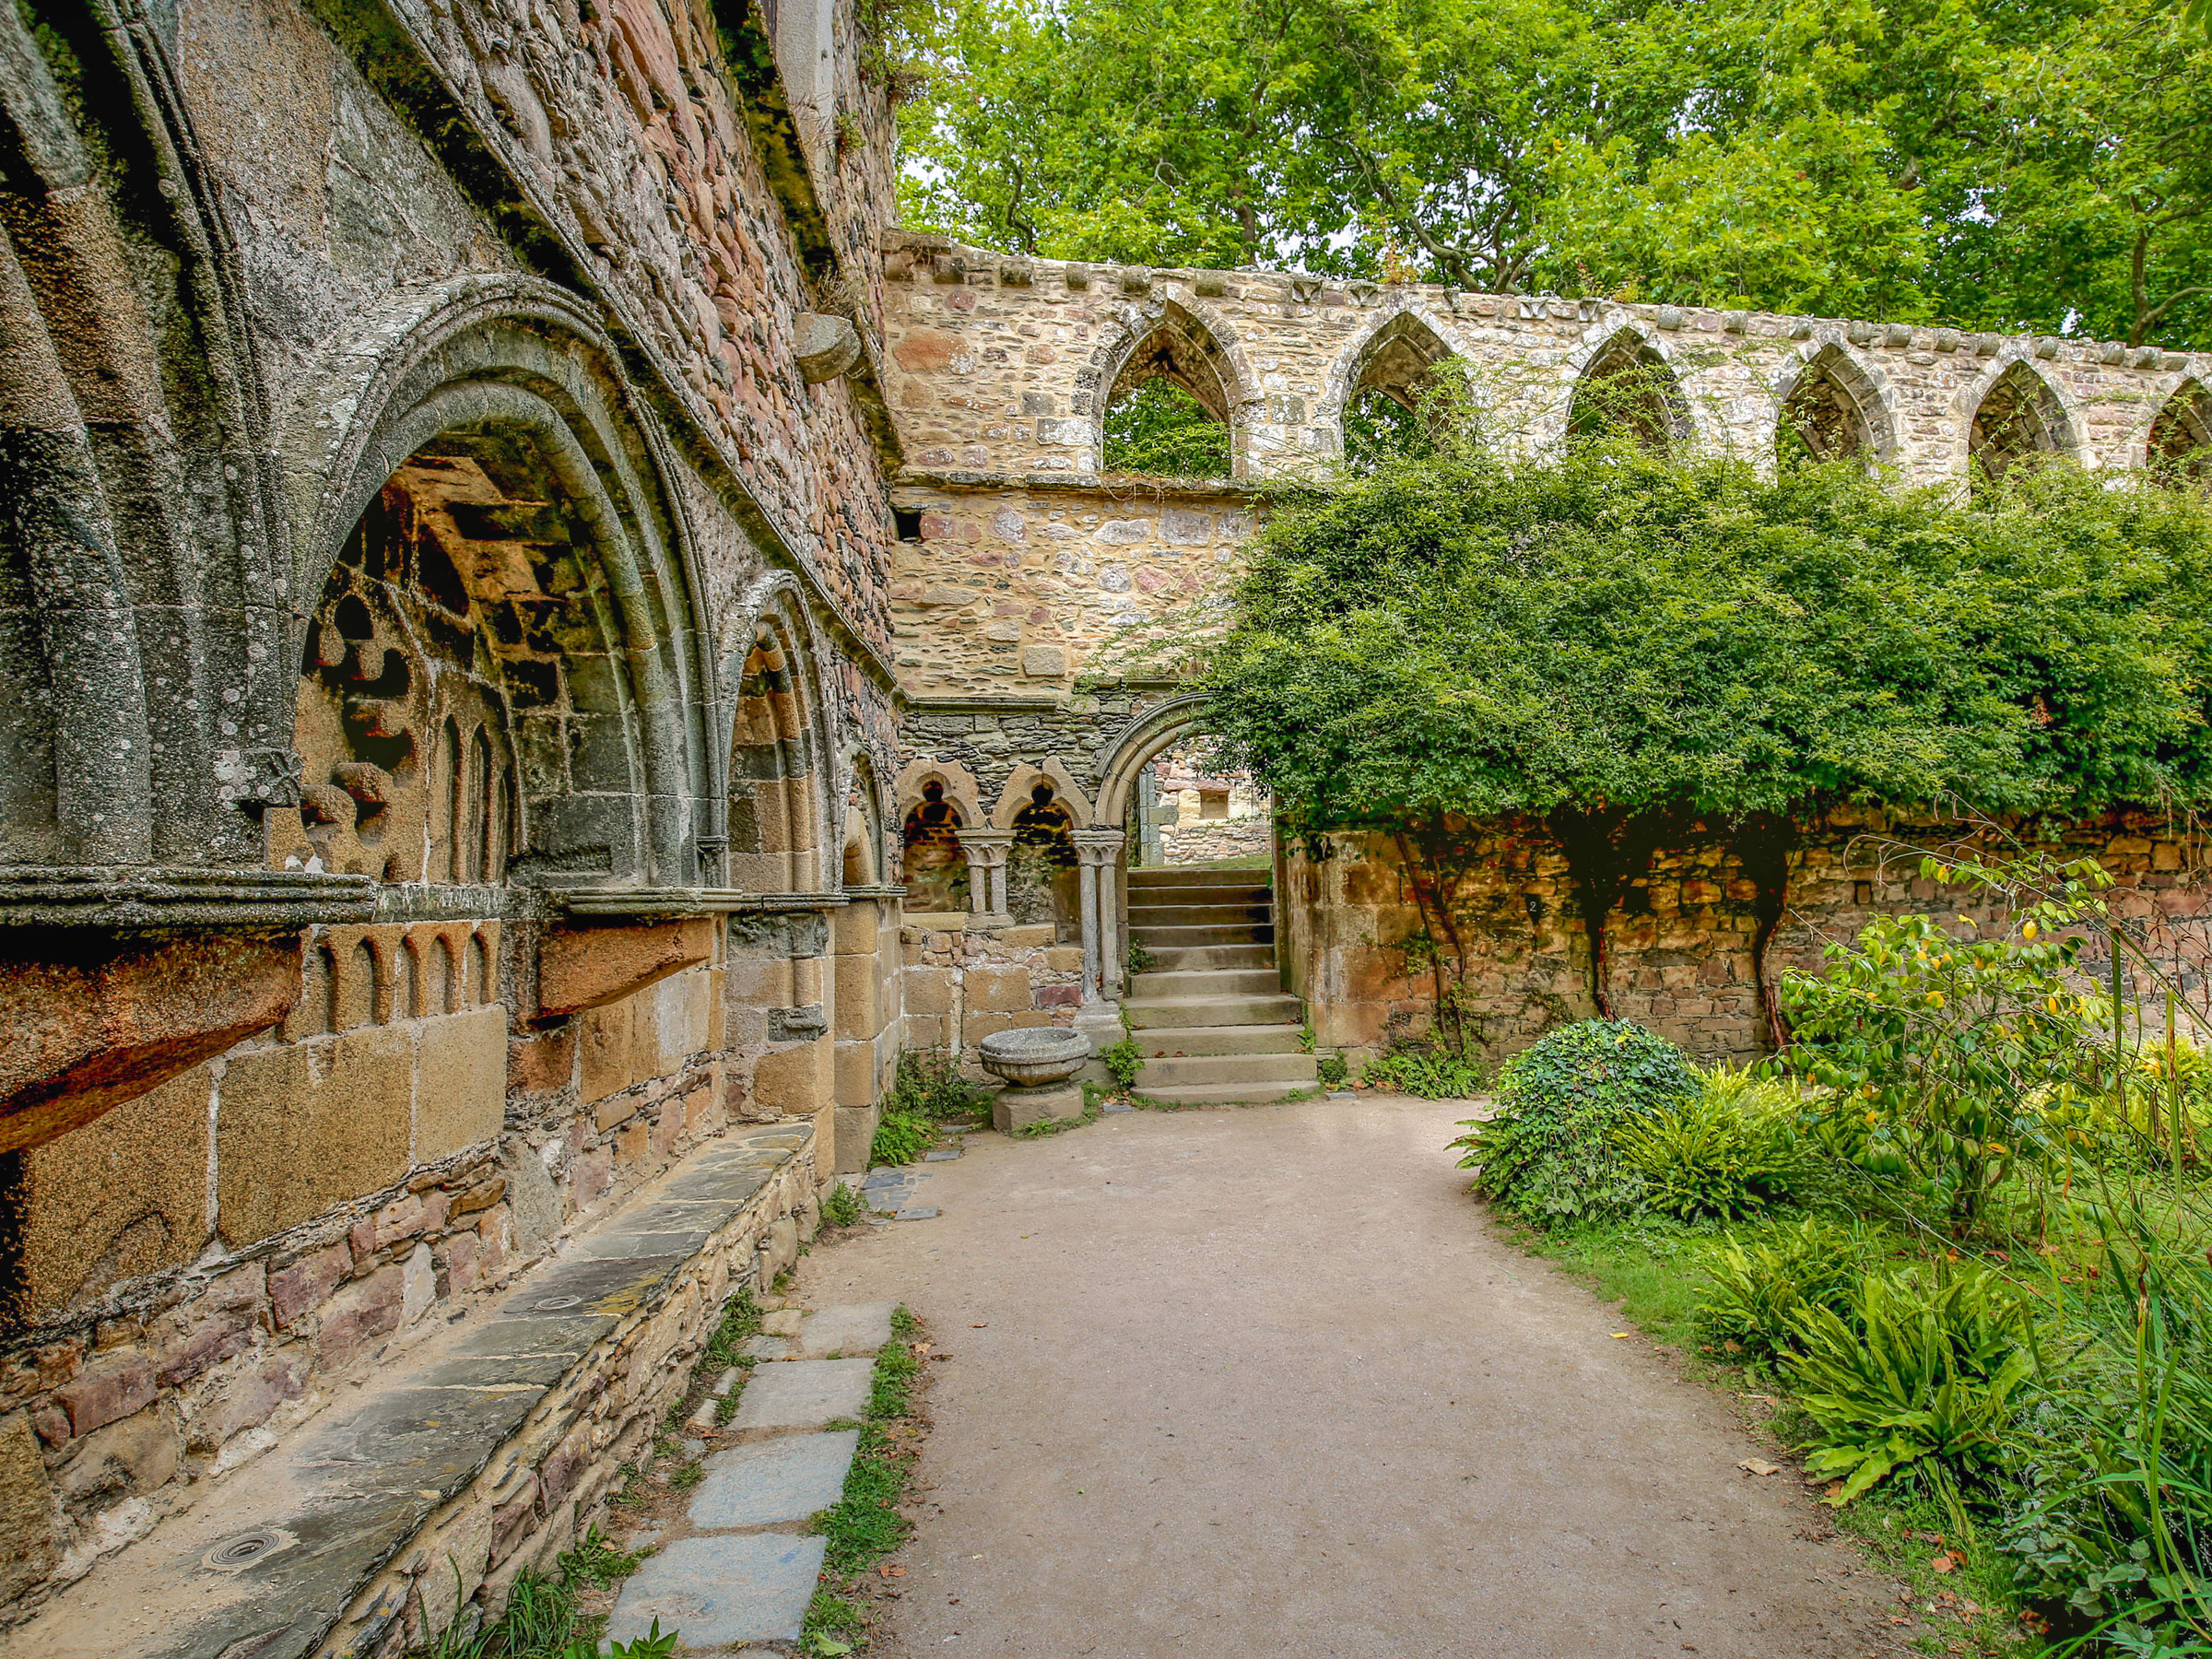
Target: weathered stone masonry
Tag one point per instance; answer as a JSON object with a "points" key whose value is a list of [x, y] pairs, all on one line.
{"points": [[498, 538]]}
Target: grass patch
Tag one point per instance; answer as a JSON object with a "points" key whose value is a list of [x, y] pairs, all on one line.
{"points": [[542, 1620], [1091, 1112], [740, 1320], [864, 1524], [843, 1207]]}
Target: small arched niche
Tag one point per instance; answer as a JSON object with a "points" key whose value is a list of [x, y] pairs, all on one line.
{"points": [[1382, 410], [1629, 391], [2179, 450], [1832, 411], [862, 859], [936, 868], [775, 819], [2019, 422], [1042, 884], [1169, 410]]}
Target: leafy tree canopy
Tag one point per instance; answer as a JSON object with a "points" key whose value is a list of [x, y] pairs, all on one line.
{"points": [[1458, 634], [2020, 165]]}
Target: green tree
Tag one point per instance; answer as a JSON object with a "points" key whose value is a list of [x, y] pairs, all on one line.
{"points": [[1616, 645]]}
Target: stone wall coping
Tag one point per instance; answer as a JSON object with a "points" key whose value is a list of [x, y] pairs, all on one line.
{"points": [[131, 899], [1124, 486], [686, 901], [275, 1559]]}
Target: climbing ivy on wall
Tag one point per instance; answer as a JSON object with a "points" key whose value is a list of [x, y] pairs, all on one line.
{"points": [[1617, 644]]}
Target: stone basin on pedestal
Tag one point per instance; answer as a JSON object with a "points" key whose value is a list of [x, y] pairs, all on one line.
{"points": [[1038, 1064]]}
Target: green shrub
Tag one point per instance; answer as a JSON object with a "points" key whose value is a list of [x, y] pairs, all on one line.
{"points": [[1124, 1060], [929, 1084], [1549, 1154], [1427, 1070], [1727, 1153], [2112, 1513], [901, 1138], [842, 1205], [1333, 1070], [1913, 1376], [1756, 1284]]}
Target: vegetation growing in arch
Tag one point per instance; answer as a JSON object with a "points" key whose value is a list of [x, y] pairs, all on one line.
{"points": [[1627, 651]]}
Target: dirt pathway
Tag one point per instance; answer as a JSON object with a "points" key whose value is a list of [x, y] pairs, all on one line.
{"points": [[1264, 1383]]}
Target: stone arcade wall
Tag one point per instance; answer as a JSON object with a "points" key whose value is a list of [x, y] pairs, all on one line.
{"points": [[447, 600], [1680, 946]]}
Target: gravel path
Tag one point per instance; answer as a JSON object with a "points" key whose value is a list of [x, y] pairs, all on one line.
{"points": [[1264, 1383]]}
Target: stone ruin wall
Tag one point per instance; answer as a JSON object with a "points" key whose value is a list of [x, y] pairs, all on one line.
{"points": [[367, 1086], [1681, 944]]}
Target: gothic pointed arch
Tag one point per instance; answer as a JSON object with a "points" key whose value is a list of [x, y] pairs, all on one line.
{"points": [[1377, 383], [2179, 445], [476, 475], [1186, 347], [783, 822], [1021, 787], [2019, 418], [1627, 389], [1829, 407], [144, 636]]}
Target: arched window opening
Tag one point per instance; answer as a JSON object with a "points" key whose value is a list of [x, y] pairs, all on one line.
{"points": [[1629, 393], [937, 870], [2019, 423], [1168, 411], [773, 819], [1829, 414], [1042, 883], [2180, 450], [1394, 397]]}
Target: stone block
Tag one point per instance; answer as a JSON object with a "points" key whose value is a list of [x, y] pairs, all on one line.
{"points": [[79, 1038], [302, 1288], [460, 1081], [855, 995], [855, 930], [856, 1074], [856, 1134], [589, 967], [1065, 958], [28, 1548], [793, 1082], [1015, 1108], [246, 1399], [136, 1454], [113, 1389], [1045, 662], [722, 1591], [360, 1316], [928, 1030], [805, 1394], [542, 1063], [605, 1038], [119, 1198], [848, 1330], [928, 991], [997, 990], [669, 1026], [296, 1133], [1028, 936], [773, 1482], [977, 1027]]}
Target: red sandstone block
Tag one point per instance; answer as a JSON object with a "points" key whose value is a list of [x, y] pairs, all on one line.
{"points": [[106, 1392]]}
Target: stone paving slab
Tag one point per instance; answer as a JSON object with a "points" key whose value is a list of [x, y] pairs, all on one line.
{"points": [[772, 1482], [942, 1155], [805, 1394], [849, 1331], [722, 1591], [918, 1212], [766, 1347]]}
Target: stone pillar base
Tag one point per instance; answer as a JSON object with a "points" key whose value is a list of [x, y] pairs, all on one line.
{"points": [[1017, 1109]]}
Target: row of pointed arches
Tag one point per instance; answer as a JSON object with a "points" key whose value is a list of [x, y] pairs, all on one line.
{"points": [[1179, 399]]}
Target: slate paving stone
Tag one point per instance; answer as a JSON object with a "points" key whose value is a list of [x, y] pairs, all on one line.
{"points": [[928, 1212], [772, 1482], [765, 1347], [723, 1590], [805, 1394], [853, 1329], [942, 1155], [1112, 1106]]}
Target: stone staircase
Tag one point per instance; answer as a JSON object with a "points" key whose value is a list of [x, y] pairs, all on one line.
{"points": [[1210, 1014]]}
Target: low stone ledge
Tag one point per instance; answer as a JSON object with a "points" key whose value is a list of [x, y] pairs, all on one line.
{"points": [[483, 1453]]}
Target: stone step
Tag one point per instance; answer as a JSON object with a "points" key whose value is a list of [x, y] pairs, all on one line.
{"points": [[1193, 893], [1191, 1070], [1151, 986], [1198, 875], [1229, 1094], [1198, 915], [1213, 1011], [1172, 938], [1188, 959], [1219, 1039]]}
